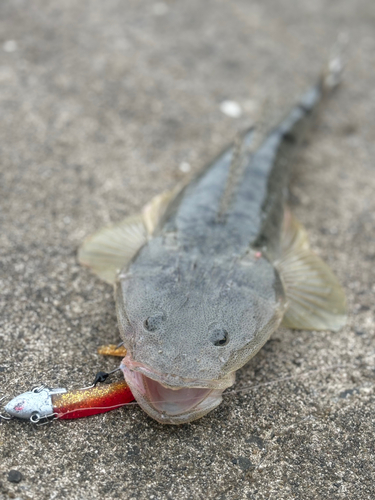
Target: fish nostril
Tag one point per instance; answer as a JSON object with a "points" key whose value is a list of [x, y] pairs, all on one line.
{"points": [[148, 325], [152, 323], [220, 337]]}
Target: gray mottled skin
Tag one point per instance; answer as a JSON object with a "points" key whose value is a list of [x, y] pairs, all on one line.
{"points": [[256, 210], [202, 275]]}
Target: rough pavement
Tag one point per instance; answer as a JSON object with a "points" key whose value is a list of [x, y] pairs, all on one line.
{"points": [[102, 106]]}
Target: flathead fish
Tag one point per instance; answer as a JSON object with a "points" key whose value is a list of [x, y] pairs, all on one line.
{"points": [[207, 272]]}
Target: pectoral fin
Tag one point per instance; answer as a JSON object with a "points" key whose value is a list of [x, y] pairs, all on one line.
{"points": [[316, 299], [155, 210], [111, 248]]}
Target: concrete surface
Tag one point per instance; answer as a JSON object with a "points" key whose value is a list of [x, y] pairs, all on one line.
{"points": [[100, 103]]}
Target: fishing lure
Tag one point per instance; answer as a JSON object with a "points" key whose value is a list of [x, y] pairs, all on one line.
{"points": [[42, 403]]}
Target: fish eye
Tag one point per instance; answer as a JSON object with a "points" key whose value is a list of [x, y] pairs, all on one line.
{"points": [[152, 323], [219, 337]]}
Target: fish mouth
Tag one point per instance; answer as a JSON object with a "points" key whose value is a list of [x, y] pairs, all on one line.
{"points": [[181, 402]]}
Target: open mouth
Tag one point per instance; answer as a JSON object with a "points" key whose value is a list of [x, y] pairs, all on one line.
{"points": [[173, 404]]}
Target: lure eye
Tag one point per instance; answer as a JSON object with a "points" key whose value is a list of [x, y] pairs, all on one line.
{"points": [[153, 323], [219, 337]]}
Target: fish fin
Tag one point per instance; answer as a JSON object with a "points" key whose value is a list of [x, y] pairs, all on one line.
{"points": [[111, 248], [316, 299], [155, 210]]}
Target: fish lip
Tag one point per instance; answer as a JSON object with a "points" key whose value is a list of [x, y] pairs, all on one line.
{"points": [[163, 401], [172, 381]]}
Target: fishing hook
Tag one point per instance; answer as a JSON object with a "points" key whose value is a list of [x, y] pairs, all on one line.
{"points": [[100, 377], [4, 417]]}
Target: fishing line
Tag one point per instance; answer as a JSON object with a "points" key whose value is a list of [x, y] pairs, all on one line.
{"points": [[295, 377], [278, 380]]}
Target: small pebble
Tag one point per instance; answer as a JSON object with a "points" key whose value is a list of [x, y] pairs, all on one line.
{"points": [[185, 167], [231, 108], [243, 462], [14, 476]]}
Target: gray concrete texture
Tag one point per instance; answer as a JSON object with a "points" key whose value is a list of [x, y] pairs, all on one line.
{"points": [[100, 103]]}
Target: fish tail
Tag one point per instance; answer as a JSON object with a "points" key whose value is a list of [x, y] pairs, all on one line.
{"points": [[332, 73], [314, 99]]}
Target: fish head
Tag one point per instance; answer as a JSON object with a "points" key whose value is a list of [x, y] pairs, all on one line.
{"points": [[188, 323]]}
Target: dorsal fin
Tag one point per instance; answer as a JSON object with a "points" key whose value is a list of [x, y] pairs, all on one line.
{"points": [[243, 148], [234, 174]]}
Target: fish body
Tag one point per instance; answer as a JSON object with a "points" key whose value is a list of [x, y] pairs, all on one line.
{"points": [[207, 273]]}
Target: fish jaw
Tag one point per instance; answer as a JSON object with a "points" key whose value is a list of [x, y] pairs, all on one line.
{"points": [[180, 403]]}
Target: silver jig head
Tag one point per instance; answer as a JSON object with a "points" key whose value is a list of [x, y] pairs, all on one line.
{"points": [[34, 405]]}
